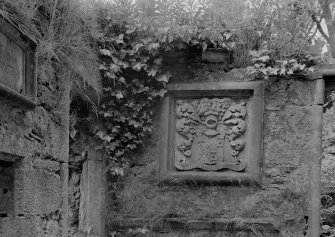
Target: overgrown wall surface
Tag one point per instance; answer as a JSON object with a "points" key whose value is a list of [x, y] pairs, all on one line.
{"points": [[34, 154], [328, 162], [278, 206]]}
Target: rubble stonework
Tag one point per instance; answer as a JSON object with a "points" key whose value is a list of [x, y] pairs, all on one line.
{"points": [[39, 140], [34, 147]]}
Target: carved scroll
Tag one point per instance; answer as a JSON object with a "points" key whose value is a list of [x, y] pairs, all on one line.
{"points": [[210, 134]]}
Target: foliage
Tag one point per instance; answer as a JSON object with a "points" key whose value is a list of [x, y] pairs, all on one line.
{"points": [[265, 66], [321, 12], [132, 83], [135, 35]]}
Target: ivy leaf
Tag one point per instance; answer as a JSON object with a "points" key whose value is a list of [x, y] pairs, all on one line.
{"points": [[110, 75], [162, 92], [73, 133], [223, 45], [138, 66], [170, 38], [117, 171], [122, 80], [129, 135], [227, 35], [143, 89], [119, 95], [131, 146], [106, 52], [273, 71], [100, 134], [152, 72], [114, 67], [130, 31], [138, 46], [119, 41], [264, 58], [264, 71], [115, 129], [147, 129], [124, 64], [232, 45], [180, 45], [204, 46], [107, 138], [146, 41], [158, 61], [282, 71], [164, 78], [107, 114]]}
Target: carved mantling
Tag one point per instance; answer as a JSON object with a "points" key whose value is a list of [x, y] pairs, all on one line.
{"points": [[210, 134]]}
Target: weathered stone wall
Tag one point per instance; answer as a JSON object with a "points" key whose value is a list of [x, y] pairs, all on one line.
{"points": [[34, 166], [328, 162], [278, 206]]}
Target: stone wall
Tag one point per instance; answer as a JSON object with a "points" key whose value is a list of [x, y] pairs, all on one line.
{"points": [[34, 163], [328, 162], [276, 206]]}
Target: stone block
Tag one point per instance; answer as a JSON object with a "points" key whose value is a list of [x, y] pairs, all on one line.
{"points": [[31, 226], [213, 56], [93, 184], [279, 92], [37, 192], [26, 131]]}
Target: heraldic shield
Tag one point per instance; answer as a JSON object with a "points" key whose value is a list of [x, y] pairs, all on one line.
{"points": [[210, 134]]}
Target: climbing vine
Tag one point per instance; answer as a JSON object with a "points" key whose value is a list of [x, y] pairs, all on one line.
{"points": [[133, 81]]}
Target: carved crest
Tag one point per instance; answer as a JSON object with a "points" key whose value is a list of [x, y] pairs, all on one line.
{"points": [[210, 134]]}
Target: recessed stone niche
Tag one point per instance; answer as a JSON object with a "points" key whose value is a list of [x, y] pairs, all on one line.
{"points": [[6, 189], [7, 184], [212, 132]]}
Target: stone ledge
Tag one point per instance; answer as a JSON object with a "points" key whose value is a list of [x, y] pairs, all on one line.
{"points": [[213, 224]]}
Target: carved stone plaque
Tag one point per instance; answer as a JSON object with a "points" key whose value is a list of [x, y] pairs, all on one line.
{"points": [[212, 132], [11, 64], [17, 63]]}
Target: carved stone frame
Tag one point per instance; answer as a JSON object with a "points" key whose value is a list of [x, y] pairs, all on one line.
{"points": [[28, 46], [254, 147]]}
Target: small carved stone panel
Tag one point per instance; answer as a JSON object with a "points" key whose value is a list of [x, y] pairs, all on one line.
{"points": [[210, 134], [11, 64], [17, 63]]}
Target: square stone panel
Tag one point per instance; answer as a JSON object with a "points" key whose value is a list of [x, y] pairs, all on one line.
{"points": [[212, 132], [18, 62]]}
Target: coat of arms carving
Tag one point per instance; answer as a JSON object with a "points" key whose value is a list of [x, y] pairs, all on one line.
{"points": [[210, 134]]}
